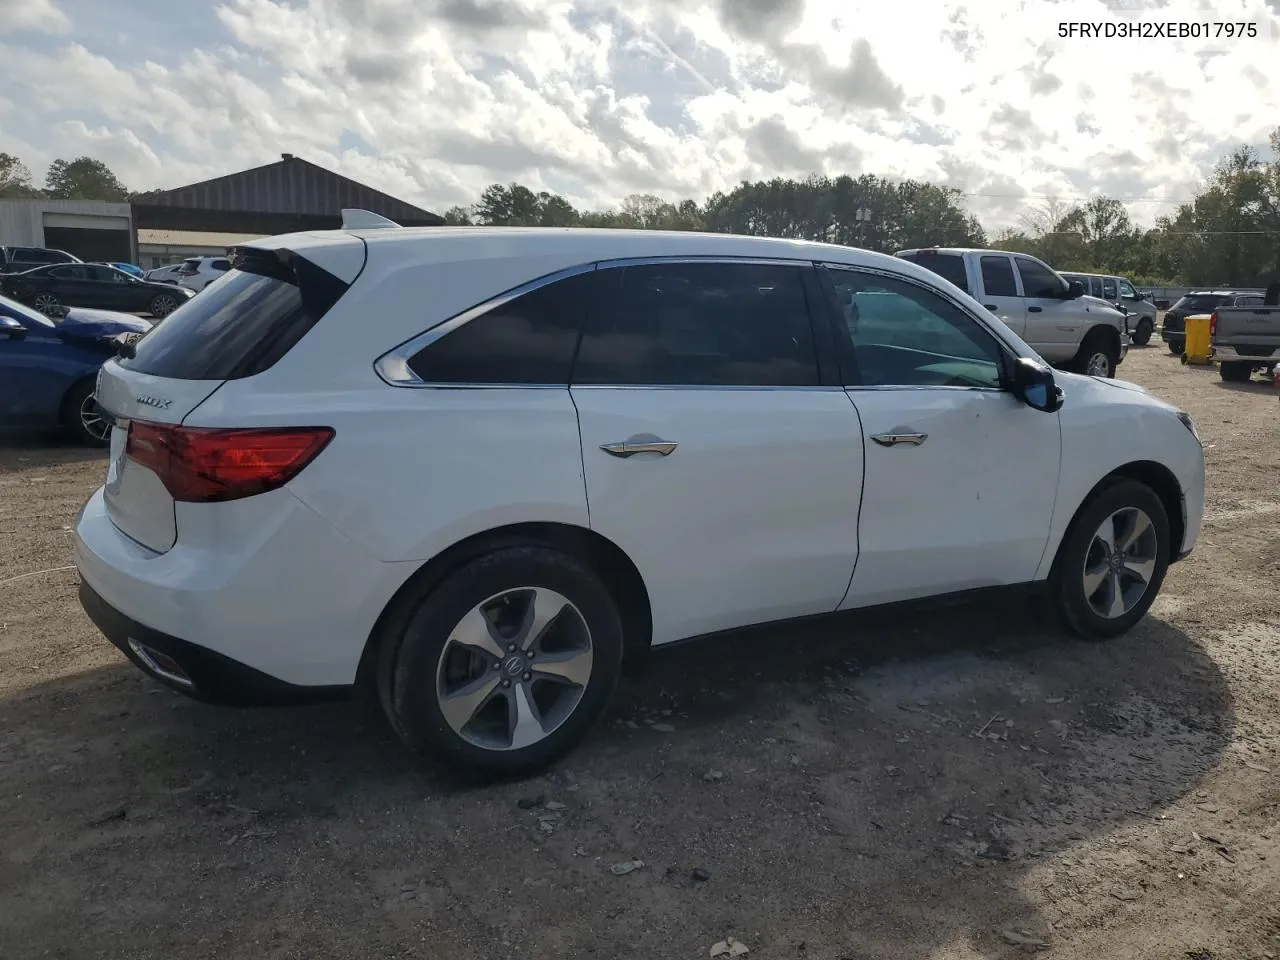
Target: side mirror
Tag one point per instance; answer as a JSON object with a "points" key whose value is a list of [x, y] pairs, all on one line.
{"points": [[1034, 385], [11, 329], [1075, 289]]}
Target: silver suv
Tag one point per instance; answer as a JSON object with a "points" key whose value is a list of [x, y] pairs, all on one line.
{"points": [[1140, 311]]}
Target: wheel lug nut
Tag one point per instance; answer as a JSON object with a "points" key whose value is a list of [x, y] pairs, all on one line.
{"points": [[497, 665], [511, 648], [506, 683], [527, 676]]}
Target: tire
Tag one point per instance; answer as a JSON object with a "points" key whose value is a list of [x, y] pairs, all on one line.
{"points": [[1086, 614], [423, 668], [1142, 335], [162, 304], [84, 425], [1175, 347], [1235, 371], [1096, 358], [44, 302]]}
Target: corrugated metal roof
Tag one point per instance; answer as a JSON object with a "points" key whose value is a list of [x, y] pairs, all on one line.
{"points": [[289, 186]]}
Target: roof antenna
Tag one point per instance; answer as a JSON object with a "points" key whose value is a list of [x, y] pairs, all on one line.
{"points": [[356, 219]]}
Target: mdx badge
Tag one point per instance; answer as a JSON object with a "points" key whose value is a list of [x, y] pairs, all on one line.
{"points": [[156, 402]]}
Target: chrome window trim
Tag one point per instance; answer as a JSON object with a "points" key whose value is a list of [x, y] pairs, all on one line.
{"points": [[393, 366]]}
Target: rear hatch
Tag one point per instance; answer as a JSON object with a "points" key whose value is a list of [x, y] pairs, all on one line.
{"points": [[1252, 331], [1192, 305], [239, 328]]}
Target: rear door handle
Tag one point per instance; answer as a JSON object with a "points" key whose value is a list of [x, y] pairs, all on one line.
{"points": [[893, 439], [1035, 309], [991, 306], [630, 448]]}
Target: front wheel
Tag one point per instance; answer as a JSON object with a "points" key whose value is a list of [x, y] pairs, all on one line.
{"points": [[162, 305], [1112, 561], [81, 416], [1097, 358], [502, 667], [1142, 335]]}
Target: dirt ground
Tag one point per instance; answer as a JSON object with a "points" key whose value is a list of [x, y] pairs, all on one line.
{"points": [[969, 783]]}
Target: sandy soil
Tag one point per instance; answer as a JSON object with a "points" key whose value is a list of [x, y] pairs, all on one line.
{"points": [[962, 784]]}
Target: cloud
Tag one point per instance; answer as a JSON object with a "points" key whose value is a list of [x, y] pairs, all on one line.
{"points": [[33, 16], [431, 100]]}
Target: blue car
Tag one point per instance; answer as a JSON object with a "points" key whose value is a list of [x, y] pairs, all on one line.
{"points": [[131, 269], [49, 366]]}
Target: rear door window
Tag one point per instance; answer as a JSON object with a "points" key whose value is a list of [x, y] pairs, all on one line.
{"points": [[530, 339], [242, 325], [1109, 291], [1249, 302], [700, 324], [997, 277], [949, 266]]}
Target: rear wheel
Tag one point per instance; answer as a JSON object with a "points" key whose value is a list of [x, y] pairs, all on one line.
{"points": [[1112, 561], [162, 305], [46, 303], [1142, 335], [1233, 371], [501, 668], [81, 416], [1175, 346]]}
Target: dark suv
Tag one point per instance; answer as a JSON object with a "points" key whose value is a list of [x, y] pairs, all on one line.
{"points": [[1198, 302], [19, 259]]}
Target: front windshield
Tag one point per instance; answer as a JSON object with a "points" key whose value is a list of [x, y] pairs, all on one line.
{"points": [[24, 315]]}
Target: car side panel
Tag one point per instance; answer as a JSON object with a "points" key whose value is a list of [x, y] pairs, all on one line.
{"points": [[35, 375], [1101, 433]]}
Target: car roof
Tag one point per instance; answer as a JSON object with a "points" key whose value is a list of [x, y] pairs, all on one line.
{"points": [[574, 245]]}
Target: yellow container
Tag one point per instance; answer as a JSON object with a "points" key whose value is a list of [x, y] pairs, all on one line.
{"points": [[1198, 347]]}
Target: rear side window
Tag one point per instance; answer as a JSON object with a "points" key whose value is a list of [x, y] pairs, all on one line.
{"points": [[1109, 291], [530, 339], [699, 324], [1094, 286], [1196, 303], [949, 266], [997, 277], [71, 271], [221, 265], [242, 325]]}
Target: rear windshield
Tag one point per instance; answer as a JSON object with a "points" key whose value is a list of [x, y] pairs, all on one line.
{"points": [[242, 325], [1193, 303], [949, 266]]}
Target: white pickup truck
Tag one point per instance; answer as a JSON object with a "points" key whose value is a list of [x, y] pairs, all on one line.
{"points": [[1055, 318]]}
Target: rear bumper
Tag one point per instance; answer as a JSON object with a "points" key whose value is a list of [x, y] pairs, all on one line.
{"points": [[200, 673], [1225, 351]]}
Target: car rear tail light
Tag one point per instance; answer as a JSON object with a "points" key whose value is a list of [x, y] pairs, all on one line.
{"points": [[1213, 323], [214, 464]]}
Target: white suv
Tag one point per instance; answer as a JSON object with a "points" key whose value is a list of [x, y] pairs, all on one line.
{"points": [[476, 468], [196, 273]]}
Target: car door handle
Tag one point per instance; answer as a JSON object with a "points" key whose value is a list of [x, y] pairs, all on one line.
{"points": [[630, 448], [1067, 327], [1035, 309], [990, 306], [893, 439]]}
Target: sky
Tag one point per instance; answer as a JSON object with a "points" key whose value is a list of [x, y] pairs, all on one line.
{"points": [[431, 100]]}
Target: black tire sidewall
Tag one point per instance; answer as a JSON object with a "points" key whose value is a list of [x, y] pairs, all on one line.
{"points": [[152, 306], [1143, 333], [1175, 346], [410, 673], [1235, 371], [1066, 579]]}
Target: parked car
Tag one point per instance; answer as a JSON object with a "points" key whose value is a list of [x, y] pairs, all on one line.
{"points": [[1120, 293], [196, 273], [166, 274], [475, 469], [1056, 318], [1247, 338], [92, 285], [1200, 302], [132, 269], [48, 366], [19, 259]]}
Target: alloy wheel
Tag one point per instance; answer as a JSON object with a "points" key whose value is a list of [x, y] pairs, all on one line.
{"points": [[45, 302], [162, 306], [95, 425], [1120, 562], [1099, 365], [514, 669]]}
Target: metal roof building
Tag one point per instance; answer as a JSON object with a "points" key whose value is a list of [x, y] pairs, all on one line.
{"points": [[282, 197]]}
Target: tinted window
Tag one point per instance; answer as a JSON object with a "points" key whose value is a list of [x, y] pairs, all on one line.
{"points": [[241, 326], [1199, 302], [1126, 290], [1093, 286], [71, 271], [105, 274], [904, 335], [531, 339], [997, 277], [1249, 302], [949, 266], [220, 265], [1037, 280], [1109, 291], [715, 324]]}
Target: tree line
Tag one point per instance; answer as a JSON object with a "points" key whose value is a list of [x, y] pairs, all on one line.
{"points": [[1229, 233]]}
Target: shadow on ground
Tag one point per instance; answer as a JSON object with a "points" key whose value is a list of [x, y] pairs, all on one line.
{"points": [[871, 787]]}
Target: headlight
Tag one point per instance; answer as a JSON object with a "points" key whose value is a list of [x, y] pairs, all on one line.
{"points": [[1190, 425]]}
